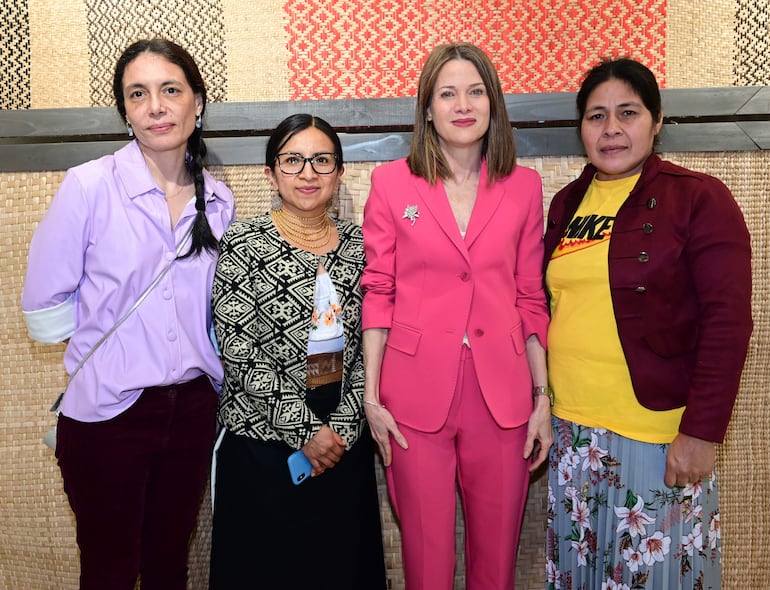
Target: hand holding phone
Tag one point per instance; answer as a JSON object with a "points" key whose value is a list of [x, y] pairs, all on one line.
{"points": [[300, 467]]}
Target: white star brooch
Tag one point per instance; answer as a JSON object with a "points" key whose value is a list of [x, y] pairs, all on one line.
{"points": [[411, 213]]}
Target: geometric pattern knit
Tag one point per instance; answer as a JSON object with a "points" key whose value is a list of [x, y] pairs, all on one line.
{"points": [[263, 301]]}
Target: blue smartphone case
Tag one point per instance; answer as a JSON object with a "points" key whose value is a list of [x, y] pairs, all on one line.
{"points": [[299, 467]]}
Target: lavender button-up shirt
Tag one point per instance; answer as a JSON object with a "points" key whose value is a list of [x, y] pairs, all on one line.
{"points": [[106, 236]]}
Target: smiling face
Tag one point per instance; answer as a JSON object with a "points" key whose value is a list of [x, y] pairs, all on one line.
{"points": [[459, 106], [160, 104], [617, 129], [308, 193]]}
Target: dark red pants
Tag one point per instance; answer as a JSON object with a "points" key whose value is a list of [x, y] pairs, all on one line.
{"points": [[135, 482]]}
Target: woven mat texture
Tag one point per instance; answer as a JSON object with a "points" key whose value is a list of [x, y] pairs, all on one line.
{"points": [[61, 54], [36, 526]]}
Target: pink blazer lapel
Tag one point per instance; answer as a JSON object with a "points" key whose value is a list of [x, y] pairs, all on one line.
{"points": [[487, 201], [435, 200]]}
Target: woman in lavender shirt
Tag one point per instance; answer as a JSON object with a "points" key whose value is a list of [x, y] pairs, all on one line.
{"points": [[138, 419]]}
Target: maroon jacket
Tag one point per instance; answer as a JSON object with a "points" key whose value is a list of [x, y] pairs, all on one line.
{"points": [[680, 280]]}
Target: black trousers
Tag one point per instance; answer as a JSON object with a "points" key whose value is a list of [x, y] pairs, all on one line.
{"points": [[268, 533]]}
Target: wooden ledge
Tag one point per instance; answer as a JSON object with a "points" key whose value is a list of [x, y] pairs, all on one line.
{"points": [[696, 120]]}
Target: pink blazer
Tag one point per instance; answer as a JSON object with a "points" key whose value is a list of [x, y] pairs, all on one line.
{"points": [[429, 287]]}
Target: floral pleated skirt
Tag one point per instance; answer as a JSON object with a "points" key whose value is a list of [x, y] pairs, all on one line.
{"points": [[614, 525]]}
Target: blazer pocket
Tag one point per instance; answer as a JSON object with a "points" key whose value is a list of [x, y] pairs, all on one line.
{"points": [[674, 341], [518, 340], [403, 338]]}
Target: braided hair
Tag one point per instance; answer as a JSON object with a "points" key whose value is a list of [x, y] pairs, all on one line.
{"points": [[202, 236]]}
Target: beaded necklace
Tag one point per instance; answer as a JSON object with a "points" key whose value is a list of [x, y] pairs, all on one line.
{"points": [[309, 233]]}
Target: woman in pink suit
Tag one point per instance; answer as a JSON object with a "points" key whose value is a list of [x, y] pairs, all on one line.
{"points": [[454, 320]]}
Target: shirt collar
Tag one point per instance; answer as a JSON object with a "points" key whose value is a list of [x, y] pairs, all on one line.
{"points": [[136, 176], [133, 170]]}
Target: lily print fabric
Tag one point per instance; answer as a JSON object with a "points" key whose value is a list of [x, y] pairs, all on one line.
{"points": [[614, 525]]}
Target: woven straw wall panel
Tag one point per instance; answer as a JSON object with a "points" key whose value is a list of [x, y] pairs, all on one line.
{"points": [[197, 25], [62, 53], [38, 549], [700, 44], [15, 56], [257, 44], [377, 49], [744, 461], [752, 66], [309, 49]]}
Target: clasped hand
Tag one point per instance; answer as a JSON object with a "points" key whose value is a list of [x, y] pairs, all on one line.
{"points": [[324, 450]]}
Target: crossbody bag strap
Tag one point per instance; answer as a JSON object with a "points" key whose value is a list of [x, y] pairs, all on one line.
{"points": [[124, 317]]}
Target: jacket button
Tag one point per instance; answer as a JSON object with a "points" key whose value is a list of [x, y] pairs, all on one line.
{"points": [[478, 332], [647, 228], [465, 277], [651, 203], [641, 289], [643, 257], [551, 223]]}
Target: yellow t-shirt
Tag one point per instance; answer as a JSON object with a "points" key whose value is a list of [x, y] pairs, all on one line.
{"points": [[586, 365]]}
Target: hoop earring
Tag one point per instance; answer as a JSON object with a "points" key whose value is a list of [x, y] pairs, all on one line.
{"points": [[198, 122], [129, 129]]}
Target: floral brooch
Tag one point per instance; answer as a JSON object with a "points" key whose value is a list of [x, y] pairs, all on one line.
{"points": [[411, 213]]}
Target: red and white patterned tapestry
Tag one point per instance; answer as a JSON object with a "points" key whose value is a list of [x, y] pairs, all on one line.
{"points": [[375, 48]]}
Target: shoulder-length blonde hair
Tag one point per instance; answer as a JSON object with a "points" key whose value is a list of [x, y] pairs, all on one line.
{"points": [[425, 156]]}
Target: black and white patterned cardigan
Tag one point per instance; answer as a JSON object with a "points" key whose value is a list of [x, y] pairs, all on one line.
{"points": [[262, 304]]}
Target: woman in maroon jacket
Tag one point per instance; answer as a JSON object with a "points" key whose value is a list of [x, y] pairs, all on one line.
{"points": [[648, 269]]}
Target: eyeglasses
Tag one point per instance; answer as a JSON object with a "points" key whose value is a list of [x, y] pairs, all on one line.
{"points": [[293, 163]]}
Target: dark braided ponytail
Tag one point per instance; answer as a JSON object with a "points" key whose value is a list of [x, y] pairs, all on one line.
{"points": [[202, 237], [201, 234]]}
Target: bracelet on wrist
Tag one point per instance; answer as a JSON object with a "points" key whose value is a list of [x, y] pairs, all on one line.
{"points": [[542, 390]]}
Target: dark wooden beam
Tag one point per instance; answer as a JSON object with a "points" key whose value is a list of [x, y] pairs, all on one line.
{"points": [[696, 120]]}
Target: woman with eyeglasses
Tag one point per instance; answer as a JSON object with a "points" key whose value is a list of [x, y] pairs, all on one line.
{"points": [[287, 313]]}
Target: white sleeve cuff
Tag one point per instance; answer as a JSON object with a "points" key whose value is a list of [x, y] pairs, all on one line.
{"points": [[52, 324]]}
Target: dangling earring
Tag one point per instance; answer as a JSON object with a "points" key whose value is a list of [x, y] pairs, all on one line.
{"points": [[334, 202], [275, 201], [129, 129], [198, 122]]}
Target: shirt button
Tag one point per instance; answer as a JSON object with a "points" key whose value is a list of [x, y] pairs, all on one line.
{"points": [[643, 257], [171, 336], [170, 256], [166, 294], [647, 228], [641, 289]]}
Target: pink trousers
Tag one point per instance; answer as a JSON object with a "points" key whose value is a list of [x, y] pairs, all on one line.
{"points": [[471, 451]]}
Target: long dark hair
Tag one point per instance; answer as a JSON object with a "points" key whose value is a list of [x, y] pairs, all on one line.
{"points": [[202, 237]]}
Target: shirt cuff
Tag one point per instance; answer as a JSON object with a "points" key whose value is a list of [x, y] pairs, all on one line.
{"points": [[52, 324]]}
